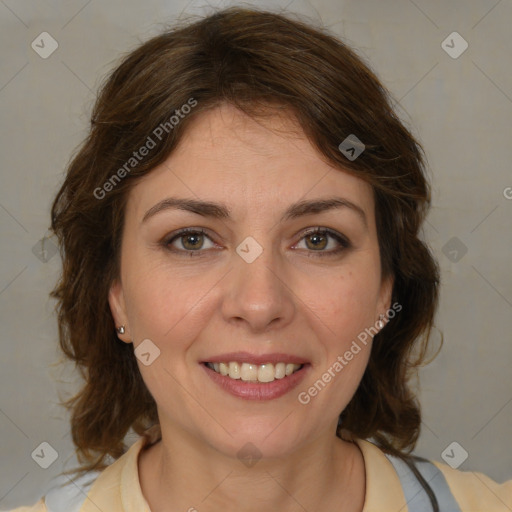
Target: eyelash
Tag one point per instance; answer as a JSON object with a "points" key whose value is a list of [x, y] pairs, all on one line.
{"points": [[344, 242]]}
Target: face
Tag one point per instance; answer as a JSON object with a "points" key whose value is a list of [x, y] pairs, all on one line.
{"points": [[264, 283]]}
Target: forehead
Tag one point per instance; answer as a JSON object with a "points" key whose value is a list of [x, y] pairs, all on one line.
{"points": [[263, 164]]}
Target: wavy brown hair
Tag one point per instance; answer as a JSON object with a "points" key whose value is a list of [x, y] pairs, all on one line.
{"points": [[254, 60]]}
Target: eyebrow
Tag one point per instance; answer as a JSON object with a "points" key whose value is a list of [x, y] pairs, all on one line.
{"points": [[221, 211]]}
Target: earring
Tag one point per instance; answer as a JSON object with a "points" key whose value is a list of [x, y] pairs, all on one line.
{"points": [[380, 322], [120, 329]]}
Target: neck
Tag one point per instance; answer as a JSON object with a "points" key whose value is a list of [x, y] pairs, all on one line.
{"points": [[327, 474]]}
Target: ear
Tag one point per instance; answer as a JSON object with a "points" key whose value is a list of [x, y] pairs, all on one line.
{"points": [[386, 292], [118, 310]]}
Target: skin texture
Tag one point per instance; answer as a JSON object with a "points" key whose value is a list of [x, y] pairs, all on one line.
{"points": [[291, 299]]}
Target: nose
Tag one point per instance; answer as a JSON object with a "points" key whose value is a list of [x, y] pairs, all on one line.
{"points": [[258, 294]]}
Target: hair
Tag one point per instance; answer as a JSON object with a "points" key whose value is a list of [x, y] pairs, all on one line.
{"points": [[257, 61]]}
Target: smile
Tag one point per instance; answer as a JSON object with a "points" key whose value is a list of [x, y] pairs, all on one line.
{"points": [[250, 372]]}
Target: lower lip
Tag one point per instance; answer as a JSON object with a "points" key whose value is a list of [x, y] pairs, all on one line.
{"points": [[250, 390]]}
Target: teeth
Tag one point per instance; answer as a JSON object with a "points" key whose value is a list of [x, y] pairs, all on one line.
{"points": [[234, 370], [266, 373], [253, 372], [289, 369], [280, 370], [249, 371]]}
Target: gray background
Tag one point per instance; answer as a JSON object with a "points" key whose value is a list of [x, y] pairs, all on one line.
{"points": [[461, 110]]}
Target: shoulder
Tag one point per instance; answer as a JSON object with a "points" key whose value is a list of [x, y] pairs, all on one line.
{"points": [[455, 490], [84, 493], [38, 507], [65, 494], [476, 491]]}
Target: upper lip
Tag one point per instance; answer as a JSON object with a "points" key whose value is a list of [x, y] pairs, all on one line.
{"points": [[247, 357]]}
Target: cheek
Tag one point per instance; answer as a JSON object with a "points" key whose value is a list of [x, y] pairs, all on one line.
{"points": [[160, 304], [345, 305], [169, 311], [341, 315]]}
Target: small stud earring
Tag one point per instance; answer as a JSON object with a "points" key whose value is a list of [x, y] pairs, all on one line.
{"points": [[120, 329], [380, 322]]}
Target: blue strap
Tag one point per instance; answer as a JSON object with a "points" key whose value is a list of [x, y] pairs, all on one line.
{"points": [[415, 495], [69, 497]]}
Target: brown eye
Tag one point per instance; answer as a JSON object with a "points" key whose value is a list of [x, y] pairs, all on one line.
{"points": [[319, 239], [192, 241], [188, 241]]}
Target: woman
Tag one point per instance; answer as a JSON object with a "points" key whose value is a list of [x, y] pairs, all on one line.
{"points": [[243, 283]]}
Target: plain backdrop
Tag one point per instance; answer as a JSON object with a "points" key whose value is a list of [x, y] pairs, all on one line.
{"points": [[459, 106]]}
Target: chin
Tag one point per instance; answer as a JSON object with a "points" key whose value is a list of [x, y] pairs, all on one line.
{"points": [[254, 439]]}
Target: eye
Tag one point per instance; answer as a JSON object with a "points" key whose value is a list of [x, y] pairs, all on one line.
{"points": [[192, 241], [317, 240], [189, 240]]}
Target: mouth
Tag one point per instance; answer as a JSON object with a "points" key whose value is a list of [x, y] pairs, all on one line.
{"points": [[256, 377], [251, 372]]}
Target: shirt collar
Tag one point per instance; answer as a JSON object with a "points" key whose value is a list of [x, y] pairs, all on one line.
{"points": [[118, 487], [383, 488]]}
